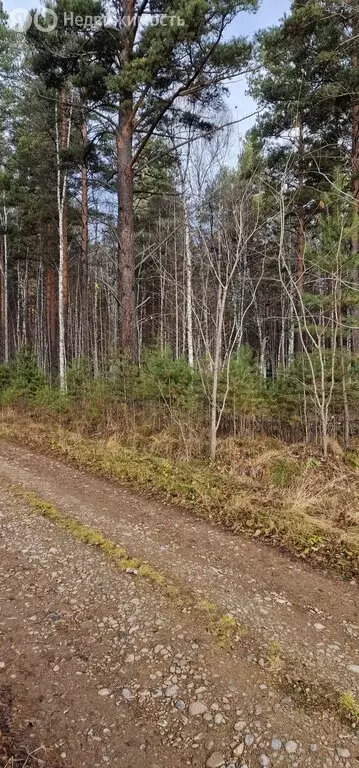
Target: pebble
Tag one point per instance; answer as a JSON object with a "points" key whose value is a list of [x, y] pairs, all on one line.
{"points": [[104, 692], [180, 704], [264, 761], [319, 626], [197, 708], [218, 718], [158, 649], [354, 668], [276, 744], [130, 658], [56, 668], [343, 752], [171, 691], [238, 751], [291, 747], [248, 739], [2, 664], [216, 760], [240, 725], [126, 693]]}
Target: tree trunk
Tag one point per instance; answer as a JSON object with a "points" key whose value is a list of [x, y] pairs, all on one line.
{"points": [[62, 309], [300, 224], [355, 192], [25, 303], [344, 372], [5, 289], [126, 255], [222, 296], [189, 310], [84, 247], [63, 130], [64, 144], [51, 316], [300, 228]]}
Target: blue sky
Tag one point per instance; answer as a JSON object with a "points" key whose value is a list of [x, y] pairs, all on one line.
{"points": [[247, 24]]}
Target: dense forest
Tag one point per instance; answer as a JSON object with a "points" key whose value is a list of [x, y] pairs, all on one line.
{"points": [[143, 273]]}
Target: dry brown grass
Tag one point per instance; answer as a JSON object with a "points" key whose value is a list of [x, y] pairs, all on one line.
{"points": [[284, 494]]}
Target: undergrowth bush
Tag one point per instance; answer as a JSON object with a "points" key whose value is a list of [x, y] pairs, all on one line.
{"points": [[21, 379], [163, 405]]}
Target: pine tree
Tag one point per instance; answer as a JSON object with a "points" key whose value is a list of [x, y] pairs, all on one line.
{"points": [[146, 70], [307, 88]]}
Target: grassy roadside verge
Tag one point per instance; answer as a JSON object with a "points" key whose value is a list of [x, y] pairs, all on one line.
{"points": [[223, 627], [238, 501]]}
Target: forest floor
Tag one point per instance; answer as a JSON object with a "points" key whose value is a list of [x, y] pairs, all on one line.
{"points": [[133, 633]]}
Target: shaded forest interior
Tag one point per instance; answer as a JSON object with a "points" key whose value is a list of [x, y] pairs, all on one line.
{"points": [[146, 285]]}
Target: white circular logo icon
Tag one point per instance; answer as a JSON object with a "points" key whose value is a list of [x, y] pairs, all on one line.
{"points": [[20, 19], [46, 22]]}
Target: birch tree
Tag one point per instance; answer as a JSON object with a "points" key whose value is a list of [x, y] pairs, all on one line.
{"points": [[63, 122]]}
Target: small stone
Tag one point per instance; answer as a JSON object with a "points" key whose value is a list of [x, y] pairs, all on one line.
{"points": [[354, 668], [313, 747], [319, 626], [104, 692], [130, 658], [2, 664], [197, 708], [264, 761], [180, 704], [287, 701], [248, 739], [238, 751], [276, 744], [218, 718], [216, 760], [158, 649], [343, 752], [257, 710], [240, 725], [291, 747], [126, 693], [171, 691], [56, 668]]}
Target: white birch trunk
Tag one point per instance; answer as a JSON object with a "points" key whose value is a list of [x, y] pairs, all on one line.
{"points": [[61, 198], [189, 308], [6, 298]]}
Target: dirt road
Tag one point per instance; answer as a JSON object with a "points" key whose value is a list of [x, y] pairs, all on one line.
{"points": [[98, 666]]}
